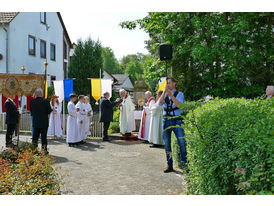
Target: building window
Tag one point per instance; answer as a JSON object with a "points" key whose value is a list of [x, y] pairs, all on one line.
{"points": [[52, 52], [43, 17], [65, 51], [52, 78], [31, 45], [43, 49]]}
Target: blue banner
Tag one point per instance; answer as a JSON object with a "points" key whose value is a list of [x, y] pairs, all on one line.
{"points": [[68, 88]]}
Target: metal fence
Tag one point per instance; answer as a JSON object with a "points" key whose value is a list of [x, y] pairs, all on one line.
{"points": [[25, 124]]}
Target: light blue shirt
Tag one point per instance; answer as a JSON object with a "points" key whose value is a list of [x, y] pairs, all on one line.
{"points": [[180, 98]]}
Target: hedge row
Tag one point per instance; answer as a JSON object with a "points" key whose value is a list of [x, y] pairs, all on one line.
{"points": [[230, 147], [186, 107]]}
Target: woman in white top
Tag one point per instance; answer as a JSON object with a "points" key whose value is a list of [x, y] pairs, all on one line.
{"points": [[55, 127]]}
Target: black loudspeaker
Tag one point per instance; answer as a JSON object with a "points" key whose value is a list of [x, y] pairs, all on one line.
{"points": [[165, 52]]}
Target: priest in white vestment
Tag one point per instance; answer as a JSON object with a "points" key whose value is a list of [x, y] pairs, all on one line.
{"points": [[72, 129], [156, 123], [81, 117], [88, 118], [55, 127], [127, 120], [146, 116]]}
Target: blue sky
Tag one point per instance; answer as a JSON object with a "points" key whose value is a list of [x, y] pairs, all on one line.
{"points": [[105, 26]]}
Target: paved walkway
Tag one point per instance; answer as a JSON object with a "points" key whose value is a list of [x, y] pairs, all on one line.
{"points": [[113, 168]]}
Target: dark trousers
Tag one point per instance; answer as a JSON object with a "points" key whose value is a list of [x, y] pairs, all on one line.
{"points": [[16, 130], [10, 131], [36, 134], [106, 126]]}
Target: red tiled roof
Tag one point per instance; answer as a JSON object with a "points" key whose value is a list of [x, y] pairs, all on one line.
{"points": [[7, 17]]}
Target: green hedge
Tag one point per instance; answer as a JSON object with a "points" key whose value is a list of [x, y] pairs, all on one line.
{"points": [[185, 107], [230, 147]]}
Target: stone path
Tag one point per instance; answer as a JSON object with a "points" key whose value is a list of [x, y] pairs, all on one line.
{"points": [[113, 168]]}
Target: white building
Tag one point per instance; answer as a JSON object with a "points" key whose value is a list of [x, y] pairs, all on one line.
{"points": [[31, 38]]}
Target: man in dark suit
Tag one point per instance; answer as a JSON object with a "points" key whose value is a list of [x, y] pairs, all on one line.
{"points": [[107, 113], [40, 109], [12, 116]]}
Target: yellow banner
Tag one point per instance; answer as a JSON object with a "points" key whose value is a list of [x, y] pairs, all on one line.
{"points": [[162, 86], [96, 89]]}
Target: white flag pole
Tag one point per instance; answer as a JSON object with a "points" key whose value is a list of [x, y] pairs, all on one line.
{"points": [[64, 123], [100, 96], [100, 100]]}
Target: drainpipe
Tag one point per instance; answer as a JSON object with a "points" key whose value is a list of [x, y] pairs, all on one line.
{"points": [[7, 48]]}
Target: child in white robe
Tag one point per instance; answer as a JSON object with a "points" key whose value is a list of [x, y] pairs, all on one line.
{"points": [[72, 129], [56, 121], [81, 117]]}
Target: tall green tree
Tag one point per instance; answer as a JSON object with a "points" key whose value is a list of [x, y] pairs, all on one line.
{"points": [[221, 54], [110, 62], [131, 64], [86, 62]]}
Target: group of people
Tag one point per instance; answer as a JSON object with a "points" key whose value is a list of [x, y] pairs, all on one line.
{"points": [[79, 120], [160, 117]]}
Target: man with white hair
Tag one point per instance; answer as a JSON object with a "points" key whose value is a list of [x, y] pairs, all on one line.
{"points": [[269, 92], [146, 116], [127, 121]]}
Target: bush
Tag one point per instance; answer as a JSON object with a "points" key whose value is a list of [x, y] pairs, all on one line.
{"points": [[230, 147], [188, 106], [114, 126], [185, 107], [27, 172]]}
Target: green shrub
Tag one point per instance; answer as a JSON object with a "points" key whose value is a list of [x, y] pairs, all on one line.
{"points": [[185, 107], [114, 126], [188, 106], [116, 116], [230, 147], [27, 172]]}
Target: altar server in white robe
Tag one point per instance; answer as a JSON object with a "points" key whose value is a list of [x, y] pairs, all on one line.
{"points": [[72, 128], [127, 121], [89, 116], [56, 121], [156, 123], [146, 116], [81, 117]]}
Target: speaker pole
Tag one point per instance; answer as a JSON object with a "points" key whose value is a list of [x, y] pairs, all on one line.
{"points": [[166, 69]]}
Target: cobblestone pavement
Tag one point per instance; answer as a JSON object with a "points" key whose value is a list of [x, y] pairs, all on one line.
{"points": [[119, 167]]}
